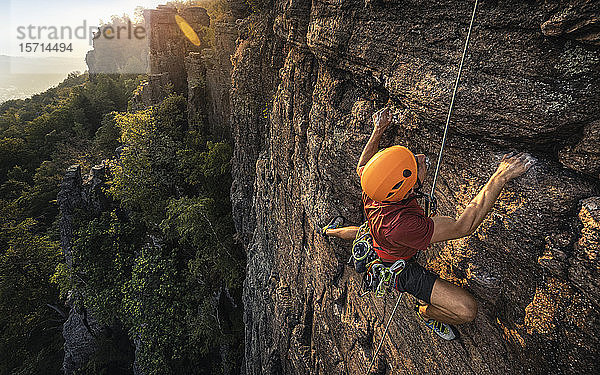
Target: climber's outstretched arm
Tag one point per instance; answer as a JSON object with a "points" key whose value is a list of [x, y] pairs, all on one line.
{"points": [[381, 120], [446, 228]]}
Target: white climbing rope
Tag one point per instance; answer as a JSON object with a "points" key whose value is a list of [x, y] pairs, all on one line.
{"points": [[437, 168], [384, 333], [462, 60]]}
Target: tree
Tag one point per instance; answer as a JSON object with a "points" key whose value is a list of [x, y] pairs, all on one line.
{"points": [[26, 263]]}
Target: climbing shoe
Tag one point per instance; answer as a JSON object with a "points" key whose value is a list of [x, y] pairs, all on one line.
{"points": [[443, 330], [335, 223]]}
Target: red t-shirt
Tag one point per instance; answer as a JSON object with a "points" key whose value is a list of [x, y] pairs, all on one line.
{"points": [[399, 229]]}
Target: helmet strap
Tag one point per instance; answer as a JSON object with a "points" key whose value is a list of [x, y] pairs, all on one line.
{"points": [[417, 192]]}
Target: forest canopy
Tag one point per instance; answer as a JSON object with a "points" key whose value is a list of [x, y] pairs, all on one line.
{"points": [[159, 267]]}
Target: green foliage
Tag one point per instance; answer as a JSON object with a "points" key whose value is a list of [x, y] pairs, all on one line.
{"points": [[102, 256], [39, 138], [145, 174], [107, 136], [209, 170], [171, 117], [155, 303], [62, 278], [176, 183], [101, 263], [39, 200], [259, 5], [160, 267], [26, 262], [193, 222], [32, 130], [12, 151]]}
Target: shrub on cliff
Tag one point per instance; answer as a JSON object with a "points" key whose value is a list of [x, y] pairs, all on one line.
{"points": [[39, 138], [165, 265], [145, 172], [27, 320]]}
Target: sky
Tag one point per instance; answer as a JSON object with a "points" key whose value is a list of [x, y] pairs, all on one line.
{"points": [[18, 15], [15, 14]]}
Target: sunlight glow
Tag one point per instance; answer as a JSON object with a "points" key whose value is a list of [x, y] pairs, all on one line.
{"points": [[188, 31]]}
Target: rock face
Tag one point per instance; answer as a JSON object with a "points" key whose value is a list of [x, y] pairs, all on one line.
{"points": [[217, 62], [209, 82], [584, 156], [177, 66], [583, 267], [578, 20], [152, 91], [307, 76], [80, 344], [168, 46], [123, 52], [80, 328], [167, 50]]}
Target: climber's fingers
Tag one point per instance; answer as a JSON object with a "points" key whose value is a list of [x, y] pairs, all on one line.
{"points": [[515, 164], [509, 155], [381, 113], [377, 115], [382, 118], [529, 162]]}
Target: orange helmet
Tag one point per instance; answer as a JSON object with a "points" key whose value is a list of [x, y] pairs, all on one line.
{"points": [[390, 174]]}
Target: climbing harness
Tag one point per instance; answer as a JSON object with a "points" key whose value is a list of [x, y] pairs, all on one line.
{"points": [[431, 202], [377, 276]]}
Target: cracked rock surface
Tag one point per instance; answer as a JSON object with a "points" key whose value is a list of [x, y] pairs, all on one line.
{"points": [[306, 78], [79, 193]]}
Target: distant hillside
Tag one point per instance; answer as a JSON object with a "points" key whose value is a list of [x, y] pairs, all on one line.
{"points": [[23, 83]]}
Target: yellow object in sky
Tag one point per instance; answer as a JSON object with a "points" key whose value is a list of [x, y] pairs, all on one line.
{"points": [[188, 31]]}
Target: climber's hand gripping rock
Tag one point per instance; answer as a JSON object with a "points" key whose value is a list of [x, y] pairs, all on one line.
{"points": [[381, 120], [514, 165]]}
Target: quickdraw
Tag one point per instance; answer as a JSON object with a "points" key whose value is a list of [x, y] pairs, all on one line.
{"points": [[430, 205], [384, 277], [377, 277], [430, 199]]}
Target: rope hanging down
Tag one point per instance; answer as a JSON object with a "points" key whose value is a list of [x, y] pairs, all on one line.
{"points": [[437, 168], [462, 60], [384, 333]]}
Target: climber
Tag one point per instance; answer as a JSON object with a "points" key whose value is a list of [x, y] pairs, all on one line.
{"points": [[391, 180]]}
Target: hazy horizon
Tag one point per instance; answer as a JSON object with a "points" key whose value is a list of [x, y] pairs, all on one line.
{"points": [[36, 72], [22, 86]]}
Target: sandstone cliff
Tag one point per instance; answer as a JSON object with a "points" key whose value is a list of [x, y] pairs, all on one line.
{"points": [[297, 100], [306, 78]]}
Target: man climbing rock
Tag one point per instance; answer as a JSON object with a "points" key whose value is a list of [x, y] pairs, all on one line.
{"points": [[391, 180]]}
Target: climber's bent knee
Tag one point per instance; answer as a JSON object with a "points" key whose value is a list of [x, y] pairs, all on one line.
{"points": [[454, 301]]}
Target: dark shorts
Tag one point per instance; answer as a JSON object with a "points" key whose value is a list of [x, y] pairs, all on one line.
{"points": [[416, 280]]}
